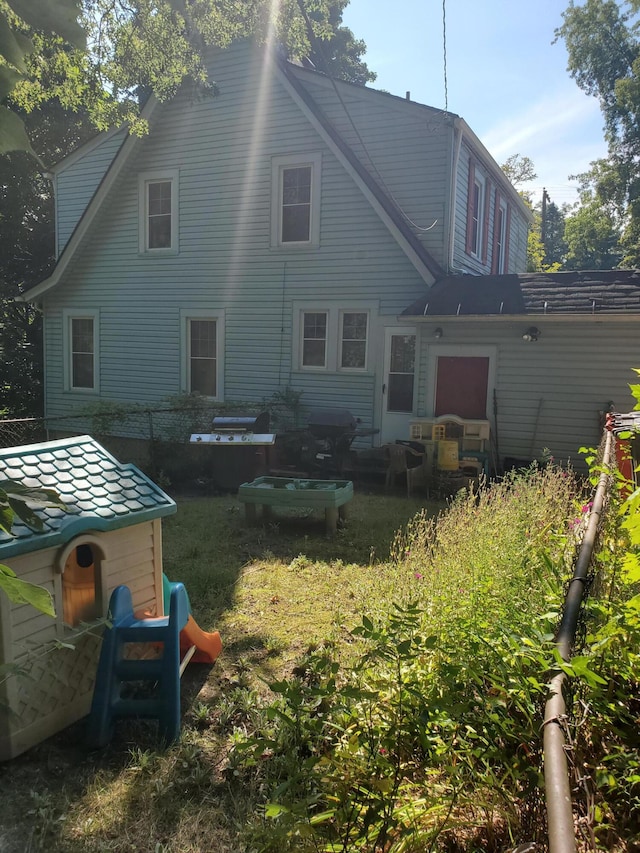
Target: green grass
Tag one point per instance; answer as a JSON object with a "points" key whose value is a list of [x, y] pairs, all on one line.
{"points": [[286, 600]]}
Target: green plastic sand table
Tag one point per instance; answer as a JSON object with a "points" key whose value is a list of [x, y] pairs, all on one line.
{"points": [[267, 492]]}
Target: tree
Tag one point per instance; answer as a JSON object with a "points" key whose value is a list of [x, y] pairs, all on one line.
{"points": [[554, 244], [592, 238], [604, 58], [137, 47], [519, 169], [27, 252], [339, 53]]}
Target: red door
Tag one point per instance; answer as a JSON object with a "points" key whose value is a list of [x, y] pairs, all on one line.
{"points": [[461, 386]]}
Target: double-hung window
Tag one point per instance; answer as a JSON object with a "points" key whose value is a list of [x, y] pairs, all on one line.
{"points": [[295, 201], [203, 352], [332, 338], [81, 351], [353, 340], [477, 213], [501, 224], [314, 339], [158, 202]]}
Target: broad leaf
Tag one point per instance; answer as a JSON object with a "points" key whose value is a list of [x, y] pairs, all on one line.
{"points": [[13, 136], [21, 592], [26, 514], [8, 79]]}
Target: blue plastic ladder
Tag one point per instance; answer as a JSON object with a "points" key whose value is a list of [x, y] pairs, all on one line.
{"points": [[114, 669]]}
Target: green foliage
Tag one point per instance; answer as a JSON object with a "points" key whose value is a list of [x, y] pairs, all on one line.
{"points": [[604, 58], [431, 734], [17, 500]]}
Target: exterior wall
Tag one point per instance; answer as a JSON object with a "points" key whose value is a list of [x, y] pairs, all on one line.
{"points": [[407, 146], [550, 393], [518, 226], [77, 179], [222, 148], [55, 686]]}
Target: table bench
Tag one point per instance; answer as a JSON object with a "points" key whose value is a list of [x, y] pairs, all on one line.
{"points": [[293, 492]]}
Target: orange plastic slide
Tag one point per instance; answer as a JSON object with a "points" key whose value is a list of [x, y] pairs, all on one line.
{"points": [[208, 646]]}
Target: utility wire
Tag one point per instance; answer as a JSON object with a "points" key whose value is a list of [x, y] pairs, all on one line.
{"points": [[318, 47], [444, 54]]}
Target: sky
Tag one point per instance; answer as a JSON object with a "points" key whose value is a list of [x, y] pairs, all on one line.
{"points": [[505, 77]]}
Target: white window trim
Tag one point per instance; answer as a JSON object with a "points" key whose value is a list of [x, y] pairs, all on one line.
{"points": [[480, 181], [344, 311], [292, 161], [144, 179], [187, 314], [67, 316], [333, 356]]}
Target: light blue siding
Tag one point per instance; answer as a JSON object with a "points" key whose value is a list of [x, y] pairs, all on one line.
{"points": [[76, 182], [222, 148]]}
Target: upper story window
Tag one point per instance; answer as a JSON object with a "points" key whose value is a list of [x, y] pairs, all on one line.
{"points": [[203, 352], [353, 343], [158, 201], [295, 202], [501, 224], [81, 350], [477, 213]]}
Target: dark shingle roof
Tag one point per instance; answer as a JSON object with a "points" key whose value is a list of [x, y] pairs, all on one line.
{"points": [[100, 492], [585, 292]]}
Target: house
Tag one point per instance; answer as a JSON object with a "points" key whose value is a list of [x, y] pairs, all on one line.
{"points": [[543, 356], [269, 237], [110, 534]]}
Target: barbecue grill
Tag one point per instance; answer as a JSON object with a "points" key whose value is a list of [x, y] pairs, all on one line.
{"points": [[240, 430], [240, 444], [326, 441]]}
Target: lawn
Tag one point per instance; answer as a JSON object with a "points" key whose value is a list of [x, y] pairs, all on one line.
{"points": [[378, 691]]}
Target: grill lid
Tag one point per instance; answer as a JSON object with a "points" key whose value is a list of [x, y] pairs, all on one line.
{"points": [[335, 418]]}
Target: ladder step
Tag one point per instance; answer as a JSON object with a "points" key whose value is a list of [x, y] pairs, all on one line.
{"points": [[139, 670], [141, 633], [150, 708]]}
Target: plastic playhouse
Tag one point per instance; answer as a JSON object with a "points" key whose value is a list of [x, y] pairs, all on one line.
{"points": [[106, 547]]}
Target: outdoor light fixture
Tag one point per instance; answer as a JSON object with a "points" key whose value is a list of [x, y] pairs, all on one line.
{"points": [[532, 334], [437, 334]]}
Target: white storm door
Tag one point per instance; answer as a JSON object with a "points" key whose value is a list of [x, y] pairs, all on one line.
{"points": [[398, 389]]}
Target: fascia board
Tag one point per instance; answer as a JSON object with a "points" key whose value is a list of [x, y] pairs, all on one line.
{"points": [[83, 150], [86, 220], [415, 259]]}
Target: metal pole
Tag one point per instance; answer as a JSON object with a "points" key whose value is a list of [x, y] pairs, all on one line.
{"points": [[556, 771]]}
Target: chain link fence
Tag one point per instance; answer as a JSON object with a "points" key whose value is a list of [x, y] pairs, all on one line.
{"points": [[155, 439]]}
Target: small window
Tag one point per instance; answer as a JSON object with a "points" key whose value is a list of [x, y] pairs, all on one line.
{"points": [[354, 340], [314, 339], [477, 204], [159, 213], [500, 259], [295, 208], [81, 351], [203, 357], [202, 336]]}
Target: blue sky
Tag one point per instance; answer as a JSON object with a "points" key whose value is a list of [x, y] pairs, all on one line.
{"points": [[505, 77]]}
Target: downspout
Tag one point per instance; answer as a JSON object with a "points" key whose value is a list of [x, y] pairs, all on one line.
{"points": [[451, 230]]}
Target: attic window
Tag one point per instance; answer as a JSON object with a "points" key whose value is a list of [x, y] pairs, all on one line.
{"points": [[158, 201], [477, 213], [295, 201]]}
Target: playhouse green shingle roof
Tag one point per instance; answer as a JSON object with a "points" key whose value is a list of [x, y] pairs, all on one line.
{"points": [[100, 493]]}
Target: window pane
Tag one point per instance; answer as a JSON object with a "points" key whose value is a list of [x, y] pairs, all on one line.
{"points": [[314, 339], [203, 357], [159, 214], [82, 353], [400, 397], [403, 354], [354, 340], [296, 205]]}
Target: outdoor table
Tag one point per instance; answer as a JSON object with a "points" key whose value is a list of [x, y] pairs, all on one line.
{"points": [[267, 492]]}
